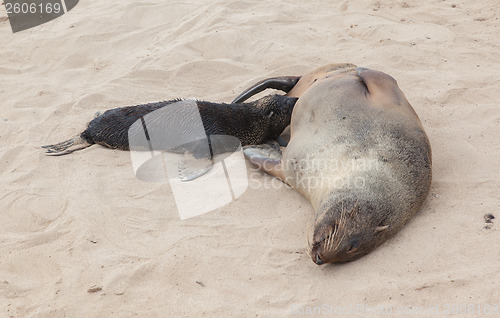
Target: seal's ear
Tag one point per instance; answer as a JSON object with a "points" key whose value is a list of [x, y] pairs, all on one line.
{"points": [[381, 86], [283, 83]]}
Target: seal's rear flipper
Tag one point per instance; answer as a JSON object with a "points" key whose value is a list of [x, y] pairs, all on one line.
{"points": [[65, 147], [382, 87], [283, 83]]}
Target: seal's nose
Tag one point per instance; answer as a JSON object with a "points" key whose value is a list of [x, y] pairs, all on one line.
{"points": [[318, 260]]}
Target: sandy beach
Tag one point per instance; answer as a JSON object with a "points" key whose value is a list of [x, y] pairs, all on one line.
{"points": [[81, 236]]}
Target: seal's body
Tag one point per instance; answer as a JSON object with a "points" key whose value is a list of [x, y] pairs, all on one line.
{"points": [[359, 153]]}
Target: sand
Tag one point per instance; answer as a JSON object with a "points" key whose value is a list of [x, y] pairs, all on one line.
{"points": [[80, 235]]}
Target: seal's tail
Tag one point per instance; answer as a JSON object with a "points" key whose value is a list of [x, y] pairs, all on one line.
{"points": [[66, 147]]}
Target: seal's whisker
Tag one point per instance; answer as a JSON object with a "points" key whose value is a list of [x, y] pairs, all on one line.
{"points": [[330, 240], [340, 229]]}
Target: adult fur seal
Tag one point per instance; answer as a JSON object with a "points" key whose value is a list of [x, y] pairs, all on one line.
{"points": [[358, 152], [251, 123]]}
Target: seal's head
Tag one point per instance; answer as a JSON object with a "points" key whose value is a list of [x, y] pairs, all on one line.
{"points": [[275, 111], [343, 234]]}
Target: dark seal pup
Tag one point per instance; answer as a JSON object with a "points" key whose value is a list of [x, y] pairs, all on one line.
{"points": [[225, 126], [358, 152], [251, 123]]}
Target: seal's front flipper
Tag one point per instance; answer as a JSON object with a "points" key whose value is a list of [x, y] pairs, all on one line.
{"points": [[197, 159], [282, 83], [191, 168], [66, 147], [267, 159]]}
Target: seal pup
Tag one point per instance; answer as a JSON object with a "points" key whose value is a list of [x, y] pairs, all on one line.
{"points": [[358, 153], [249, 123]]}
